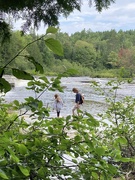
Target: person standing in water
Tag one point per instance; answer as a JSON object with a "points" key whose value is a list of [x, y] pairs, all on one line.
{"points": [[78, 101], [58, 104]]}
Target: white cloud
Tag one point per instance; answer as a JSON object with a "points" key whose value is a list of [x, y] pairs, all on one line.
{"points": [[120, 16]]}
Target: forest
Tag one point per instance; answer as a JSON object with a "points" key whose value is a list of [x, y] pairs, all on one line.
{"points": [[94, 54]]}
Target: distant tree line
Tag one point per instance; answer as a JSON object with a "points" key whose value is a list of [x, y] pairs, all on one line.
{"points": [[86, 51]]}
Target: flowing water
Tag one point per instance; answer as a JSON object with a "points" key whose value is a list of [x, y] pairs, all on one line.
{"points": [[94, 102]]}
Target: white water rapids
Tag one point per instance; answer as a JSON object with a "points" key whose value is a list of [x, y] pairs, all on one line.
{"points": [[94, 102]]}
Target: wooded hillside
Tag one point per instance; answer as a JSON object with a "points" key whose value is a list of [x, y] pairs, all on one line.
{"points": [[86, 51]]}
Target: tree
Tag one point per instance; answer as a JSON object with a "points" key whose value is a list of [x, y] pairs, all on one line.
{"points": [[65, 39], [33, 12], [84, 53], [112, 60], [126, 60]]}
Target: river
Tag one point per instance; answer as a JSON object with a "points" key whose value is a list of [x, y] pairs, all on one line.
{"points": [[94, 102]]}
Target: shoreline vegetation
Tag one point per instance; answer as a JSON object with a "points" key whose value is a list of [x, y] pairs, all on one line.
{"points": [[115, 73], [80, 71]]}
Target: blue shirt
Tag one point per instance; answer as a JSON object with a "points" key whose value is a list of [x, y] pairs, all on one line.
{"points": [[77, 98]]}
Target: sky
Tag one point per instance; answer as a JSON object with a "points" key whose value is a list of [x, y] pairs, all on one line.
{"points": [[119, 16]]}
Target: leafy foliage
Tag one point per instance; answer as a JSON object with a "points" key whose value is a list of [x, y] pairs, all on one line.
{"points": [[37, 11], [119, 135], [35, 146], [51, 43]]}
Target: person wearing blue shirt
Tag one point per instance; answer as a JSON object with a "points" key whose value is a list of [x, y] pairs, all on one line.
{"points": [[77, 101]]}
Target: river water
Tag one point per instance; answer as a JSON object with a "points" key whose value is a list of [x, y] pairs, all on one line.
{"points": [[94, 102]]}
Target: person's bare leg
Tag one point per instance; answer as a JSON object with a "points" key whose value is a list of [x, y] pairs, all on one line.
{"points": [[73, 110]]}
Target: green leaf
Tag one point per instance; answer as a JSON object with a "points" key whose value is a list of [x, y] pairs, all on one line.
{"points": [[55, 46], [121, 140], [40, 104], [127, 159], [74, 161], [2, 152], [50, 129], [37, 142], [4, 85], [52, 30], [16, 102], [91, 120], [76, 155], [24, 170], [77, 138], [41, 172], [95, 175], [3, 175], [3, 162], [68, 117], [22, 149], [44, 79], [100, 151], [14, 158], [112, 169], [38, 66], [12, 155], [22, 74]]}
